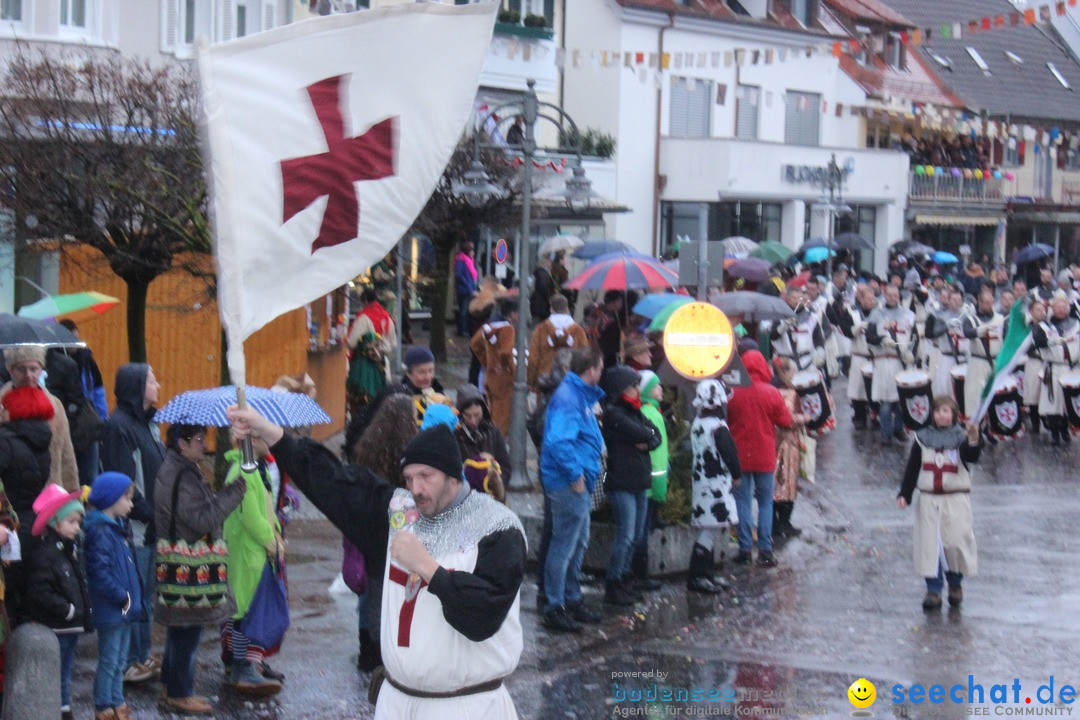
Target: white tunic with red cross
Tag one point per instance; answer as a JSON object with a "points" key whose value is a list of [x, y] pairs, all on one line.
{"points": [[420, 649], [943, 524]]}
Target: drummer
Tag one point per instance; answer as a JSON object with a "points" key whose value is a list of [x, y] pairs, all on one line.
{"points": [[985, 335], [840, 293], [1033, 367], [852, 323], [1059, 340], [819, 305], [891, 333], [800, 337], [945, 329]]}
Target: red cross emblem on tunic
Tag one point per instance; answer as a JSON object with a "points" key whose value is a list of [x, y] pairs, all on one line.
{"points": [[939, 474], [333, 173], [405, 616]]}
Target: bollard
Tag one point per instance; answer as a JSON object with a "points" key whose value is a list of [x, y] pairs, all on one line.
{"points": [[32, 674]]}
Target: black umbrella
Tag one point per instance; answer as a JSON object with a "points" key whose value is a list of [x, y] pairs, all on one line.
{"points": [[851, 241], [753, 306], [1033, 252], [15, 330]]}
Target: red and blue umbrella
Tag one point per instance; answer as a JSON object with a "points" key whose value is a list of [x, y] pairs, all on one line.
{"points": [[623, 271]]}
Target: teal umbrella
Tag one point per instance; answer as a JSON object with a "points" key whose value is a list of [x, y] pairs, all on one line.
{"points": [[660, 321], [772, 251], [817, 254]]}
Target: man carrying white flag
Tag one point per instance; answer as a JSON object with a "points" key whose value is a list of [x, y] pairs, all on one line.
{"points": [[325, 140]]}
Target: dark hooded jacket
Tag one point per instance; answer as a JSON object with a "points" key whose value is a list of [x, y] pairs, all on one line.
{"points": [[486, 438], [131, 444], [625, 428]]}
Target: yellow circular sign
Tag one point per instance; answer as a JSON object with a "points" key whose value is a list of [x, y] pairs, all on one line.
{"points": [[698, 340]]}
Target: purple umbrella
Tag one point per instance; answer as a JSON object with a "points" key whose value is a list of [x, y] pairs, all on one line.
{"points": [[752, 269]]}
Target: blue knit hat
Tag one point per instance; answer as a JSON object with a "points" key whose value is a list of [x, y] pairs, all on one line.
{"points": [[108, 487], [418, 355], [439, 414]]}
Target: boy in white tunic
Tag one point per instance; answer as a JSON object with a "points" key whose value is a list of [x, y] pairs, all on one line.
{"points": [[452, 563], [940, 466]]}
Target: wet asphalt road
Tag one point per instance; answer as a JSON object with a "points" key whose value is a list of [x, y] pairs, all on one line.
{"points": [[843, 604]]}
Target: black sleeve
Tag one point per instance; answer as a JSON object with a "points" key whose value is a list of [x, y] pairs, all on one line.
{"points": [[969, 329], [51, 607], [725, 443], [354, 499], [873, 337], [843, 320], [911, 473], [476, 604], [499, 450], [818, 338], [969, 454], [142, 510], [620, 424], [1038, 336]]}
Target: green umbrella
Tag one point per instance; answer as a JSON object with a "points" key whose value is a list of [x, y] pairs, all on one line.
{"points": [[772, 251], [661, 318]]}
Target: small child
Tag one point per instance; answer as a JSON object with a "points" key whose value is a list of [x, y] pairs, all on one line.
{"points": [[940, 466], [56, 586], [115, 590]]}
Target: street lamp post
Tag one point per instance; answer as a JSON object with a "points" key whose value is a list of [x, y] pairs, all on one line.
{"points": [[478, 190], [833, 182]]}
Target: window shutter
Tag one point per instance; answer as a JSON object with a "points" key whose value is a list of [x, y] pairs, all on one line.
{"points": [[226, 20], [269, 18], [746, 112], [170, 24], [689, 109], [802, 118]]}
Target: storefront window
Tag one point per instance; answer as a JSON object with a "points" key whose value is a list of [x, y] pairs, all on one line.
{"points": [[755, 220]]}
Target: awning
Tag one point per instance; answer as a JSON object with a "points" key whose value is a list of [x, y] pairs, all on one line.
{"points": [[926, 219]]}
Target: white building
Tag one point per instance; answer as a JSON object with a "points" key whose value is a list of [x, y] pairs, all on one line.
{"points": [[745, 114]]}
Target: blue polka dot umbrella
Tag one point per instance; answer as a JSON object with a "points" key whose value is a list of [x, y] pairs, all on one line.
{"points": [[207, 407]]}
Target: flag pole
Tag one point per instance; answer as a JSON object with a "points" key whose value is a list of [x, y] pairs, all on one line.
{"points": [[247, 463]]}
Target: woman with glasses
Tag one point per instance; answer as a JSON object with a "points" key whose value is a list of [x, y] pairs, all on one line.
{"points": [[185, 508]]}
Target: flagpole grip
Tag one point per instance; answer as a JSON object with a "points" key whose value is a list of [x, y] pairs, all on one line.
{"points": [[247, 452]]}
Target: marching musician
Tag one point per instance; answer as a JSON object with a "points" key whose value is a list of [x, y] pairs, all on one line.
{"points": [[985, 335], [840, 294], [891, 333], [1033, 366], [819, 305], [801, 337], [1046, 288], [945, 329], [1059, 340], [852, 323]]}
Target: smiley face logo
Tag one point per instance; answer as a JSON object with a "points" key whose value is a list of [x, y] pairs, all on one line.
{"points": [[862, 693]]}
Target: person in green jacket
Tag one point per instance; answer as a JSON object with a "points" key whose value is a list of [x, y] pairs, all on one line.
{"points": [[253, 535], [651, 395]]}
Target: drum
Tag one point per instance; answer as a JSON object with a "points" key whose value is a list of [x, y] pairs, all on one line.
{"points": [[815, 402], [913, 386], [1004, 415], [959, 375], [1070, 389]]}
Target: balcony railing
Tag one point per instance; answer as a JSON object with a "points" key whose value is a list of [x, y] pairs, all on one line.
{"points": [[948, 188]]}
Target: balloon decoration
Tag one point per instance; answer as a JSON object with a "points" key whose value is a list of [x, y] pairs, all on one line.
{"points": [[978, 174], [967, 173], [1009, 176], [955, 172], [997, 175], [920, 170], [930, 170]]}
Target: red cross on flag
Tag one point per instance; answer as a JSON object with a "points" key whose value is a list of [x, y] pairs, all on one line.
{"points": [[325, 139]]}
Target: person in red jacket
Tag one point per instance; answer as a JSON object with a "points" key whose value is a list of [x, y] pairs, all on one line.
{"points": [[753, 414]]}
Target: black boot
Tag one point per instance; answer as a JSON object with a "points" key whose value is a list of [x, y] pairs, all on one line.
{"points": [[1033, 415], [859, 418], [716, 575], [639, 570], [700, 577], [782, 526], [615, 594], [370, 652]]}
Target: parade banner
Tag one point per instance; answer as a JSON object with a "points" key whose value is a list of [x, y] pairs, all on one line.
{"points": [[324, 140]]}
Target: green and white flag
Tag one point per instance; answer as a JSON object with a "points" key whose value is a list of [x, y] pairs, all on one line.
{"points": [[1013, 351]]}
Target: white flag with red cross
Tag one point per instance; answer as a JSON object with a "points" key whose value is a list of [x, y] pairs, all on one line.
{"points": [[324, 140]]}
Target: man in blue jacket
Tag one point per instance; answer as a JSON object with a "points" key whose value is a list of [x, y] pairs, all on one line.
{"points": [[570, 466]]}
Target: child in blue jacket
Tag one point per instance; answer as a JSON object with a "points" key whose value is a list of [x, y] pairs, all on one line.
{"points": [[114, 587]]}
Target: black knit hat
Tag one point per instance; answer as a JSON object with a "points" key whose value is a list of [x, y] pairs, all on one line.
{"points": [[435, 447], [617, 379]]}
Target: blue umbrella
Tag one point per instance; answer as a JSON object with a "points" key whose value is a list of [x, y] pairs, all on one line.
{"points": [[595, 248], [207, 407], [943, 258], [1035, 251], [651, 305], [817, 253]]}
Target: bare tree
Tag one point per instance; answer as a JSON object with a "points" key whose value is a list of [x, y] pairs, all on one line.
{"points": [[449, 219], [103, 150]]}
